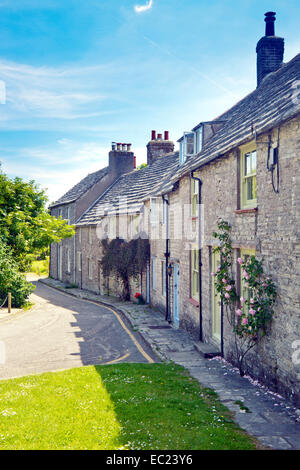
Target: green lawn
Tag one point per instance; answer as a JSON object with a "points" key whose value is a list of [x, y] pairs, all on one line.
{"points": [[124, 406]]}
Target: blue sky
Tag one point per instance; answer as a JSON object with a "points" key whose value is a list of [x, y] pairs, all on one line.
{"points": [[79, 75]]}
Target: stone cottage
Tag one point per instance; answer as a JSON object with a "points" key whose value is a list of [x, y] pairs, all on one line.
{"points": [[244, 168]]}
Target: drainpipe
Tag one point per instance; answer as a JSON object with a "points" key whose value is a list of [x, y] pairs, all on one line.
{"points": [[200, 256], [167, 255]]}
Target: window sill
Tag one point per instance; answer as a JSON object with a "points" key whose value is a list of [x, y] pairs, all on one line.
{"points": [[246, 211], [194, 302]]}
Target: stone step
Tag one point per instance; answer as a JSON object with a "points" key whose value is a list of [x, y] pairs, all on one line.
{"points": [[206, 350]]}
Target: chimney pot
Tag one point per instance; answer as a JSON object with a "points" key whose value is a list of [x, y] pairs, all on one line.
{"points": [[128, 147], [153, 135], [269, 49], [270, 23], [159, 136], [166, 135], [124, 147], [118, 146]]}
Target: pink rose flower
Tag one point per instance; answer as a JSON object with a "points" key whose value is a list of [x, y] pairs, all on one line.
{"points": [[227, 296], [245, 321], [218, 268], [228, 288], [239, 312], [251, 301], [240, 261], [252, 312], [213, 274], [224, 280], [246, 275], [242, 300], [246, 284]]}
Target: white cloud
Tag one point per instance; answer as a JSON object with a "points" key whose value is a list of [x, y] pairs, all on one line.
{"points": [[142, 8], [49, 166]]}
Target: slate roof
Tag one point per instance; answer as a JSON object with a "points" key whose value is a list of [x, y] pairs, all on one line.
{"points": [[82, 187], [276, 100], [129, 191]]}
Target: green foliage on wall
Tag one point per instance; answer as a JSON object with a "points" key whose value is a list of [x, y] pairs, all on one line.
{"points": [[125, 260]]}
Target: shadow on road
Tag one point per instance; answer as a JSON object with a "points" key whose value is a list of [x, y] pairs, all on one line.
{"points": [[100, 336]]}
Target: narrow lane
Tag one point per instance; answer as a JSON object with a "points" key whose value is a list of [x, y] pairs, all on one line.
{"points": [[62, 331]]}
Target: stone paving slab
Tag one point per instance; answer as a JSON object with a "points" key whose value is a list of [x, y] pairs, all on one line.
{"points": [[274, 421]]}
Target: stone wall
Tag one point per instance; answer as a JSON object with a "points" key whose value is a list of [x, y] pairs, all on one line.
{"points": [[272, 230]]}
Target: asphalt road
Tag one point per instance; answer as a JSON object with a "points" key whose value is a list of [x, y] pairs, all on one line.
{"points": [[62, 332]]}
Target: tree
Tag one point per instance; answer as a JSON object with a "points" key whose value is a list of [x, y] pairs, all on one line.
{"points": [[25, 223], [125, 260], [11, 280]]}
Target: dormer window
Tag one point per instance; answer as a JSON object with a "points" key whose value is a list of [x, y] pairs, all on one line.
{"points": [[187, 146], [199, 139]]}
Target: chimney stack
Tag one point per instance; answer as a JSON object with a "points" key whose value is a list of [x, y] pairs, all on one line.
{"points": [[121, 159], [269, 49], [158, 147]]}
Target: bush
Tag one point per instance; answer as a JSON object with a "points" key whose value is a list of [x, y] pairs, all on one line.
{"points": [[40, 266], [11, 280]]}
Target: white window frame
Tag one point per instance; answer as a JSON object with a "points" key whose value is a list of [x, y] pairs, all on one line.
{"points": [[194, 196], [90, 269], [134, 221], [68, 215], [163, 277], [199, 139], [68, 260], [195, 273], [154, 210], [153, 272], [79, 261], [164, 212], [183, 144]]}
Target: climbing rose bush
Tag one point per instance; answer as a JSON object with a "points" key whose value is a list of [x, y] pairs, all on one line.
{"points": [[255, 312], [224, 281]]}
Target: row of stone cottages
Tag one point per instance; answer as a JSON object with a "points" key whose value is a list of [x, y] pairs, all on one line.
{"points": [[242, 167]]}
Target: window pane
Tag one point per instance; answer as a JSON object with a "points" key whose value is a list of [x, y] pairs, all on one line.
{"points": [[249, 188], [190, 144], [253, 163], [247, 164]]}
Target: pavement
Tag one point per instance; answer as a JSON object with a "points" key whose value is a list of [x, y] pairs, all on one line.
{"points": [[264, 414]]}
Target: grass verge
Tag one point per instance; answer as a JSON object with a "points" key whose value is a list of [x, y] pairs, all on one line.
{"points": [[124, 406]]}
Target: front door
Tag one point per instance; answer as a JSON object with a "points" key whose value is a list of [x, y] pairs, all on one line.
{"points": [[216, 302], [176, 294]]}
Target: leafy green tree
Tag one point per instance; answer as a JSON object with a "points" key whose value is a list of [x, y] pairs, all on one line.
{"points": [[11, 280], [25, 223]]}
